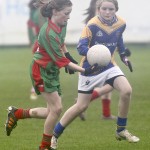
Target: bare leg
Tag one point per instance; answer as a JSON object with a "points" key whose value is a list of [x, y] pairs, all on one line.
{"points": [[39, 112], [54, 108], [104, 89], [122, 85], [99, 91], [82, 104]]}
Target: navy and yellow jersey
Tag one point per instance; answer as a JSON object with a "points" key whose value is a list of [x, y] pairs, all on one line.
{"points": [[97, 32]]}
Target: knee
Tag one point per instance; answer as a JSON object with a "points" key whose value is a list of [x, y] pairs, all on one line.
{"points": [[58, 110], [82, 108], [127, 92]]}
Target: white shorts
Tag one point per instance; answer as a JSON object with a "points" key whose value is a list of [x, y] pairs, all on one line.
{"points": [[87, 84]]}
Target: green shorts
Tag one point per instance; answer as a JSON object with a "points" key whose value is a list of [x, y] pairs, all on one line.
{"points": [[44, 80]]}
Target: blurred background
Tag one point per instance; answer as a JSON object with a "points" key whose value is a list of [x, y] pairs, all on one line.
{"points": [[15, 13], [15, 83]]}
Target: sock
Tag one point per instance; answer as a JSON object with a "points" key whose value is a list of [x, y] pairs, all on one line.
{"points": [[22, 113], [106, 107], [58, 130], [95, 95], [121, 124], [46, 140]]}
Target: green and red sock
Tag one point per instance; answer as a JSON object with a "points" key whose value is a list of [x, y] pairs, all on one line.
{"points": [[46, 141], [22, 113]]}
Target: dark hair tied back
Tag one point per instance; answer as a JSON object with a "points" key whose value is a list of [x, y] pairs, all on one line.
{"points": [[59, 5], [46, 11]]}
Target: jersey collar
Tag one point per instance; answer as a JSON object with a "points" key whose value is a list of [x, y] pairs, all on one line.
{"points": [[54, 26]]}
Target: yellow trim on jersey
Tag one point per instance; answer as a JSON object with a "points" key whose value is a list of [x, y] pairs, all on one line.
{"points": [[106, 28], [113, 57]]}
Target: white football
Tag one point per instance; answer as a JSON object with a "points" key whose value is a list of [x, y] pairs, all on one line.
{"points": [[99, 54]]}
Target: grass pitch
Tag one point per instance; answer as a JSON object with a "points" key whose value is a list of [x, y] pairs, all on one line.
{"points": [[94, 133]]}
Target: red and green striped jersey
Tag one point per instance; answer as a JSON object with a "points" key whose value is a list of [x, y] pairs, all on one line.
{"points": [[49, 53]]}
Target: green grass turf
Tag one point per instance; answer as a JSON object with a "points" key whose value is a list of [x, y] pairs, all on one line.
{"points": [[94, 133]]}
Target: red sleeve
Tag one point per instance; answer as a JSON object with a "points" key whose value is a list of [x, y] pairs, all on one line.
{"points": [[35, 46], [61, 62]]}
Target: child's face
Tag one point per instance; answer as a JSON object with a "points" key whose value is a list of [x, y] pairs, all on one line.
{"points": [[61, 17], [107, 11]]}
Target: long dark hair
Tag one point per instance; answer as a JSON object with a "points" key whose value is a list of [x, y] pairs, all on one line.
{"points": [[90, 11]]}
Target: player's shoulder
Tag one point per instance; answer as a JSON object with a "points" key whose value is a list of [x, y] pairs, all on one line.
{"points": [[120, 20], [93, 20]]}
